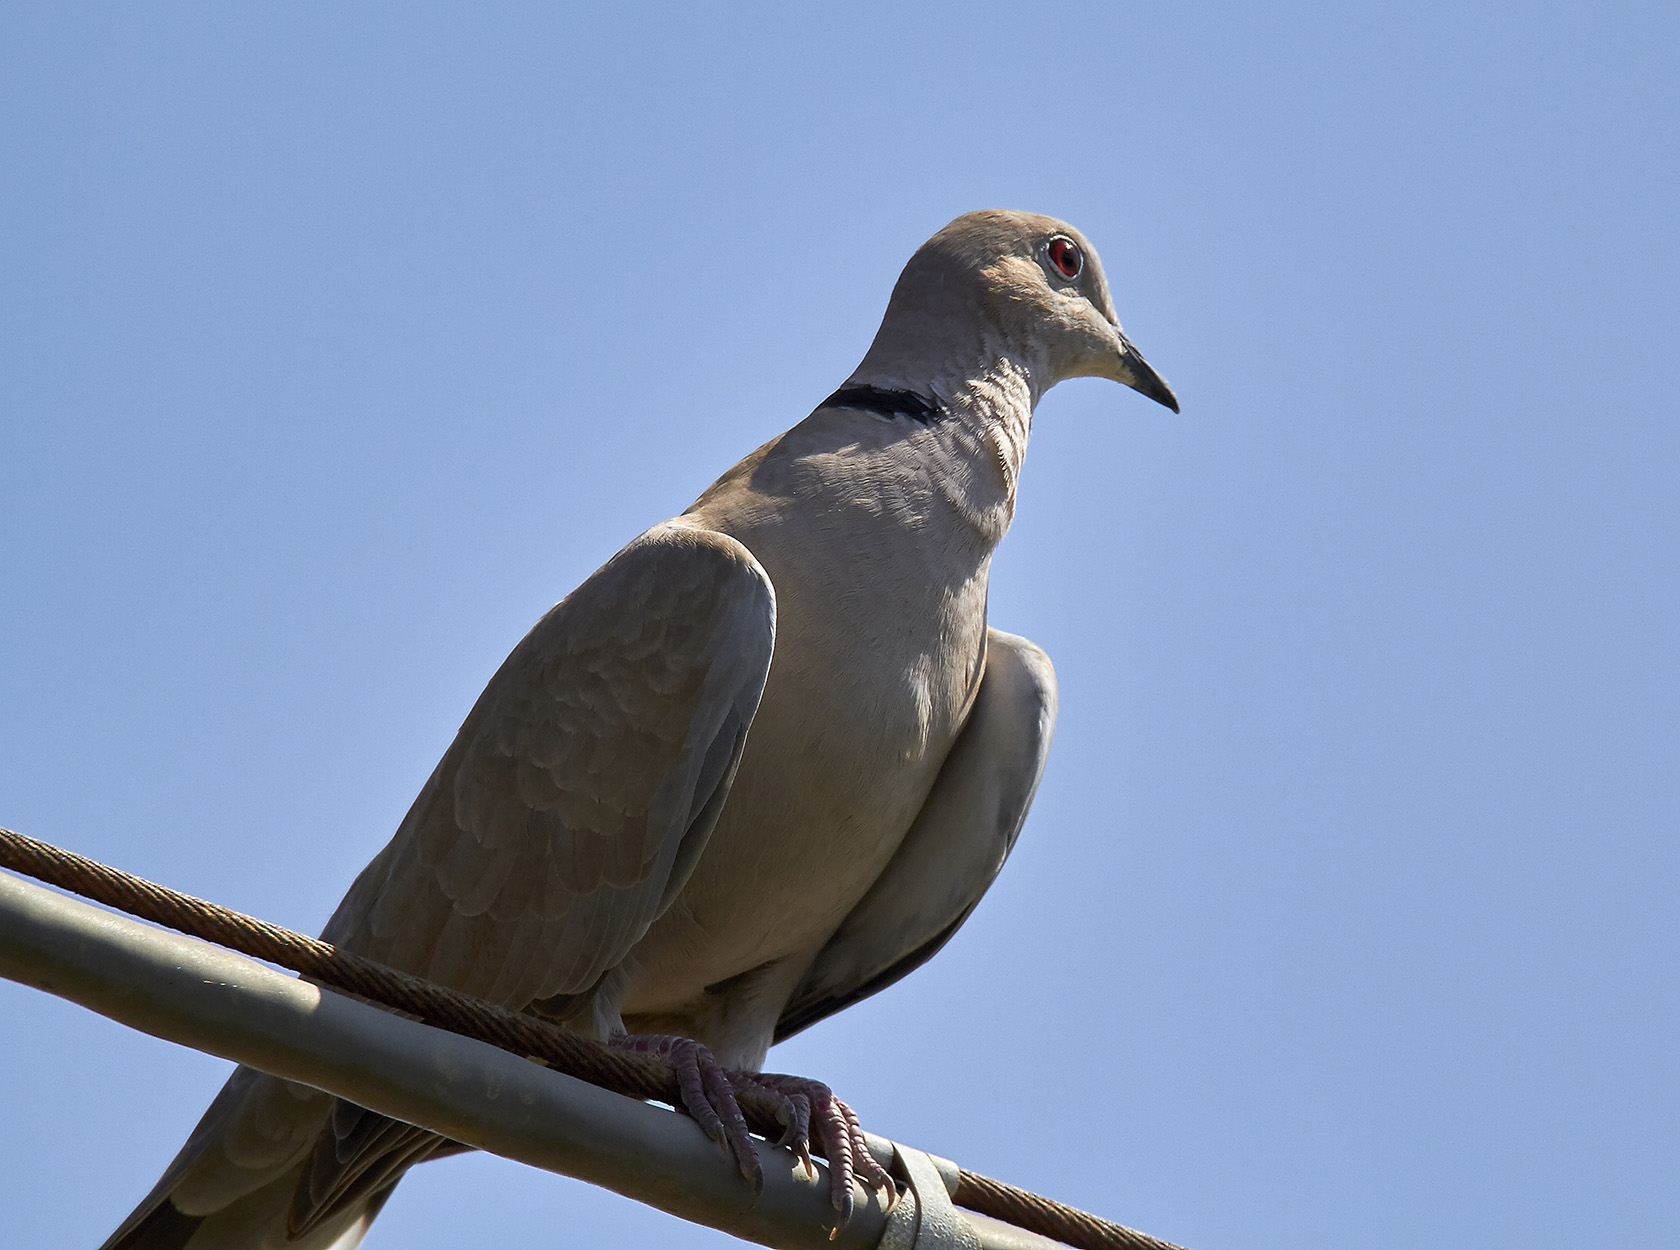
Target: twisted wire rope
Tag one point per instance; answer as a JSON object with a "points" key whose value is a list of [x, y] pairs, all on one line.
{"points": [[635, 1075]]}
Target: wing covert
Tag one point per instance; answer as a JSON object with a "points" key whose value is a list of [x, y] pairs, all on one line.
{"points": [[584, 782]]}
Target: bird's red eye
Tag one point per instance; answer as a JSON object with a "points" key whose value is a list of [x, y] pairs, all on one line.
{"points": [[1066, 256]]}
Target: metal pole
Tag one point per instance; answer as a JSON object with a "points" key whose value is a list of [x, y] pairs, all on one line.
{"points": [[196, 994]]}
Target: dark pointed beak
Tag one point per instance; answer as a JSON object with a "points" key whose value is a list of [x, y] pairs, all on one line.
{"points": [[1135, 372]]}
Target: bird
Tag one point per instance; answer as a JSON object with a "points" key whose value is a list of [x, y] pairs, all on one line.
{"points": [[759, 766]]}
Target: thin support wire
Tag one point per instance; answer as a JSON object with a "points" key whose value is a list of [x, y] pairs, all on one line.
{"points": [[634, 1075]]}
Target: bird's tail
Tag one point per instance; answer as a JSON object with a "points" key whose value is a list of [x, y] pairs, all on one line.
{"points": [[233, 1184]]}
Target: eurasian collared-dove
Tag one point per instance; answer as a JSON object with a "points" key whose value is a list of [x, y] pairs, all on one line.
{"points": [[760, 765]]}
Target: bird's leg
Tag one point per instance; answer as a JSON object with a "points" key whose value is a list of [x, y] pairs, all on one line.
{"points": [[795, 1114], [708, 1096], [813, 1116], [834, 1128]]}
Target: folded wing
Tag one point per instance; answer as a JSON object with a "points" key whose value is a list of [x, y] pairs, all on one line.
{"points": [[566, 815], [955, 848], [583, 785]]}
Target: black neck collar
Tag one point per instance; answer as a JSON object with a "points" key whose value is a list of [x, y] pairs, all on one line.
{"points": [[884, 403]]}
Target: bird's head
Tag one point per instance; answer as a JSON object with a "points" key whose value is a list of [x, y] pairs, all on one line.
{"points": [[1022, 283]]}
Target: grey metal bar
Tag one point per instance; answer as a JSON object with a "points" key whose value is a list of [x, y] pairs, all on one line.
{"points": [[200, 995]]}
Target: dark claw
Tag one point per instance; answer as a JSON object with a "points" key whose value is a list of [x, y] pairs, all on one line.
{"points": [[794, 1112], [810, 1115], [721, 1094], [707, 1096], [799, 1132], [833, 1129], [871, 1173]]}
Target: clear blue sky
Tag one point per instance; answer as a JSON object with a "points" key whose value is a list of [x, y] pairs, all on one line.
{"points": [[339, 341]]}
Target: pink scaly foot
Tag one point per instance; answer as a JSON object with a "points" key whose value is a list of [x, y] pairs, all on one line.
{"points": [[811, 1114], [833, 1128], [707, 1095]]}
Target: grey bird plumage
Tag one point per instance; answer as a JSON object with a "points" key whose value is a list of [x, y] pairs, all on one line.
{"points": [[760, 765]]}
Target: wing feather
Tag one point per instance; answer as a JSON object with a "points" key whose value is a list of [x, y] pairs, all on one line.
{"points": [[569, 809], [954, 850], [540, 850]]}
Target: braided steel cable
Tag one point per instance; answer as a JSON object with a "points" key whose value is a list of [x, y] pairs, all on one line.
{"points": [[634, 1075]]}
